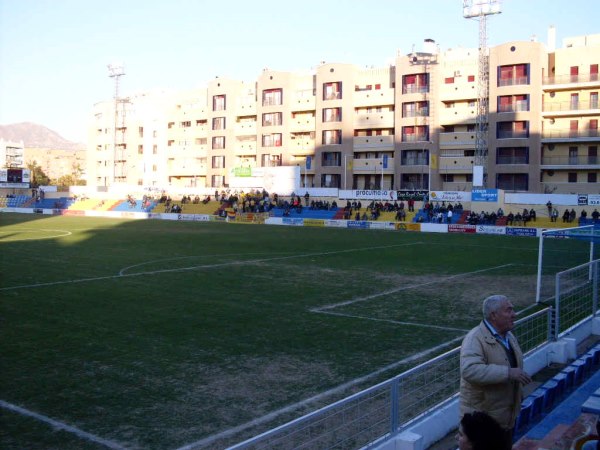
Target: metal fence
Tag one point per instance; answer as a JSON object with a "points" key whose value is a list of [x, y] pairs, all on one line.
{"points": [[374, 414], [576, 296]]}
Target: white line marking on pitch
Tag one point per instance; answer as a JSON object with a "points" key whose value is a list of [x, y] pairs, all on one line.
{"points": [[61, 426], [122, 271], [272, 415], [396, 322], [207, 266], [34, 230], [403, 288]]}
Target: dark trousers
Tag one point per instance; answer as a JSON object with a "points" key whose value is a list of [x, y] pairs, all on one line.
{"points": [[508, 439]]}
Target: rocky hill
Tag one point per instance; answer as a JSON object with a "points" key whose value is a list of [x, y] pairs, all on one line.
{"points": [[37, 136]]}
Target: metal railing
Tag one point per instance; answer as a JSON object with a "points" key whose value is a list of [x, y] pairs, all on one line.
{"points": [[367, 417], [576, 296]]}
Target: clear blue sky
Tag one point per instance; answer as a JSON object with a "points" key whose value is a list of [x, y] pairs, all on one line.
{"points": [[54, 53]]}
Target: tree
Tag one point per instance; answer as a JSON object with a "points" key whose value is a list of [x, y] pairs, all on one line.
{"points": [[38, 177], [72, 179]]}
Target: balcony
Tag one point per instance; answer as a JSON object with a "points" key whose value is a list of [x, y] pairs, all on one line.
{"points": [[415, 89], [512, 134], [570, 136], [591, 79], [568, 162], [519, 106], [245, 129], [302, 147], [514, 81], [372, 166], [377, 97], [383, 119], [512, 160], [459, 139], [415, 137], [374, 142], [300, 124], [243, 148], [456, 164], [556, 109], [459, 115]]}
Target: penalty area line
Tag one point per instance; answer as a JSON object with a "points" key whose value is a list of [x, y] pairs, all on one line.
{"points": [[61, 426], [404, 288], [395, 322]]}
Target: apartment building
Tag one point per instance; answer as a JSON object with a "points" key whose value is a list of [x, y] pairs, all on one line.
{"points": [[410, 125]]}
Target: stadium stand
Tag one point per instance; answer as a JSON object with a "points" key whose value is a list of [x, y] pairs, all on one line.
{"points": [[17, 201], [556, 415]]}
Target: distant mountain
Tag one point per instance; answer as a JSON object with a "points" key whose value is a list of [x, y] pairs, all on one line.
{"points": [[37, 136]]}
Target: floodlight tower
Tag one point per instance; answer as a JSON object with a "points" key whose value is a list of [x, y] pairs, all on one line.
{"points": [[116, 71], [480, 9]]}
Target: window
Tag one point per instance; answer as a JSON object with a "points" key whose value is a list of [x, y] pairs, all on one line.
{"points": [[200, 141], [271, 140], [415, 157], [593, 127], [272, 119], [331, 180], [418, 109], [332, 137], [513, 74], [593, 100], [574, 72], [219, 103], [218, 123], [512, 130], [141, 131], [218, 142], [593, 72], [513, 103], [471, 78], [572, 177], [448, 178], [593, 154], [218, 162], [512, 181], [415, 83], [272, 97], [592, 177], [170, 125], [415, 133], [185, 124], [332, 91], [332, 114], [218, 181], [449, 80], [329, 159], [512, 155]]}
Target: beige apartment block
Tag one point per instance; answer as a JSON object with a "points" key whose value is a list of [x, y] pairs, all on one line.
{"points": [[409, 125]]}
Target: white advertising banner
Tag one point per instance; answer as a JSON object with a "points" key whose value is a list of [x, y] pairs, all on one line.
{"points": [[450, 196]]}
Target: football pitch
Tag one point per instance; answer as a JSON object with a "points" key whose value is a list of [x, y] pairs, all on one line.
{"points": [[158, 334]]}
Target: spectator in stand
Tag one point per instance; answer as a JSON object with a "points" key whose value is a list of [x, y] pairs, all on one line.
{"points": [[549, 206], [554, 215], [518, 219], [583, 214], [525, 216], [449, 216], [510, 218], [565, 216], [478, 431], [411, 205], [595, 215], [572, 215], [491, 367], [500, 212], [532, 215]]}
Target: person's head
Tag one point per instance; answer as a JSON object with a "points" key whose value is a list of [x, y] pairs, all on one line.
{"points": [[478, 431], [499, 312]]}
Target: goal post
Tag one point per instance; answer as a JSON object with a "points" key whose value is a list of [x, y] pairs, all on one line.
{"points": [[561, 249]]}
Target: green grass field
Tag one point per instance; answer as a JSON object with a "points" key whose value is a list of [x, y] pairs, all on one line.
{"points": [[159, 334]]}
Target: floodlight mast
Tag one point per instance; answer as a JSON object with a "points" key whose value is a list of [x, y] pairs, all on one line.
{"points": [[480, 9], [116, 71]]}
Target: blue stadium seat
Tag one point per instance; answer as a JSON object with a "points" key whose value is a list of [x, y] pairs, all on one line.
{"points": [[594, 352], [569, 377], [524, 418], [552, 394], [537, 406]]}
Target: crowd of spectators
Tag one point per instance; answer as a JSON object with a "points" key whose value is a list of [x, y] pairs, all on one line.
{"points": [[436, 212]]}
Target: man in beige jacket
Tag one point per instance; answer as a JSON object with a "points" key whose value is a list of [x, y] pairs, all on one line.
{"points": [[491, 367]]}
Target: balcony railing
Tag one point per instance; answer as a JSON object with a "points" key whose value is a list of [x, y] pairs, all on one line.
{"points": [[415, 137], [570, 134], [583, 160], [512, 134], [569, 79], [514, 107], [415, 89], [512, 160], [515, 81], [571, 106], [415, 161]]}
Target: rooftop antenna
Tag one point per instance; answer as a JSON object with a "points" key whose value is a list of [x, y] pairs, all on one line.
{"points": [[480, 9]]}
